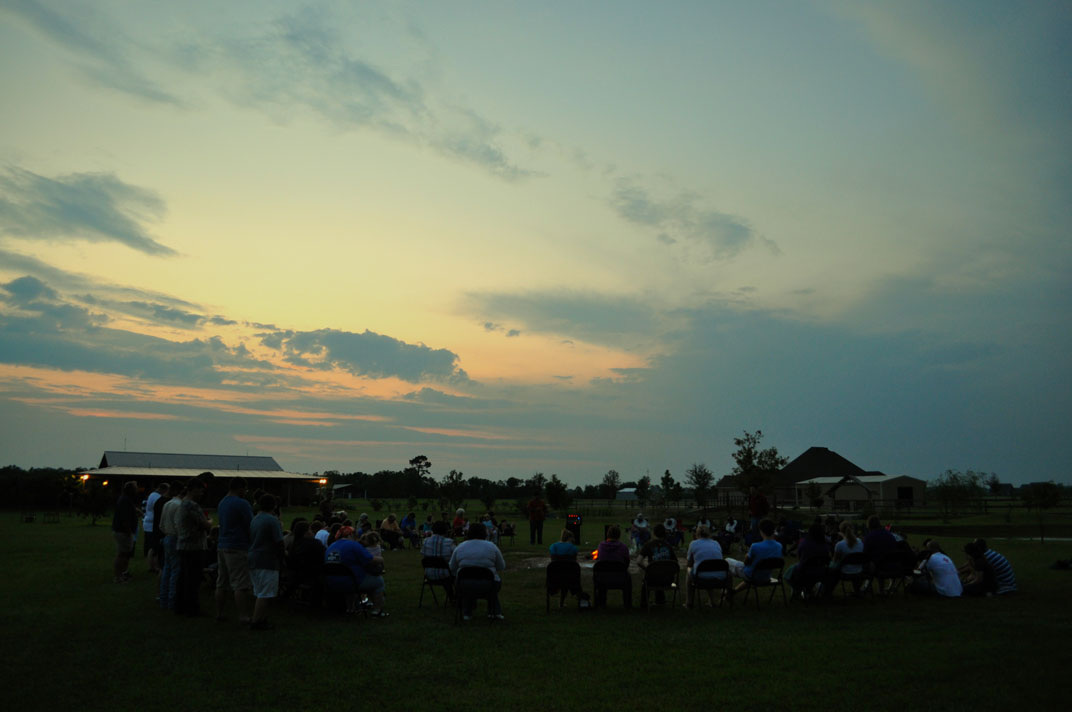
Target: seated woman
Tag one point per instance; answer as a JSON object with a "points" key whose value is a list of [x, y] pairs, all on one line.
{"points": [[812, 547], [612, 549], [564, 549], [305, 561], [477, 551], [391, 532], [351, 553], [640, 531], [409, 529], [703, 548], [459, 525], [849, 544]]}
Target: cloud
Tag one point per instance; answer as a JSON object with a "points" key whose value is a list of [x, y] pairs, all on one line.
{"points": [[98, 207], [98, 43], [512, 333], [366, 354], [25, 290], [719, 235], [590, 317]]}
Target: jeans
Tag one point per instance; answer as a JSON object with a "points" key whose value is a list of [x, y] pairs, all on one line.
{"points": [[169, 576]]}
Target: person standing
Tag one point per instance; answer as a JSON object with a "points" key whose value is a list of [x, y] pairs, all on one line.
{"points": [[758, 507], [148, 528], [537, 514], [193, 527], [124, 525], [168, 523], [232, 550], [266, 557]]}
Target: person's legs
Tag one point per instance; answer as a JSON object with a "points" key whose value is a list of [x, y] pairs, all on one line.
{"points": [[123, 550], [265, 588], [539, 532], [532, 532]]}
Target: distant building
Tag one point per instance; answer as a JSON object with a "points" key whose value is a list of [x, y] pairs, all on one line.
{"points": [[151, 468], [626, 494], [851, 492]]}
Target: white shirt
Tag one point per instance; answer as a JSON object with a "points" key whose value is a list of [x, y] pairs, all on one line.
{"points": [[944, 575], [477, 552], [147, 521]]}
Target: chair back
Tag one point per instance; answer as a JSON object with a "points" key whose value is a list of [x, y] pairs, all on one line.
{"points": [[661, 574], [712, 566], [853, 564], [340, 578], [610, 574], [563, 574], [768, 572], [474, 582]]}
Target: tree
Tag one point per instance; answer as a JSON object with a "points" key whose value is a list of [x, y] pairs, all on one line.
{"points": [[956, 491], [643, 490], [992, 483], [421, 464], [612, 482], [536, 483], [452, 488], [557, 493], [755, 467], [700, 479], [1040, 496], [669, 487]]}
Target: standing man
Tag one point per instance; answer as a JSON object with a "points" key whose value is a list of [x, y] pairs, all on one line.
{"points": [[148, 527], [124, 525], [266, 557], [168, 524], [193, 529], [758, 507], [537, 513], [232, 550]]}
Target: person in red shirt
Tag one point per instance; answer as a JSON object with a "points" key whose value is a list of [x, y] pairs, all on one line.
{"points": [[537, 513]]}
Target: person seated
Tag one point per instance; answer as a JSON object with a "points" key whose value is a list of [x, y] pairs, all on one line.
{"points": [[977, 575], [409, 530], [391, 532], [288, 536], [640, 531], [426, 528], [812, 546], [364, 524], [938, 574], [612, 549], [674, 535], [1004, 577], [305, 561], [766, 548], [441, 545], [372, 542], [506, 529], [788, 534], [564, 549], [492, 531], [459, 525], [702, 548], [849, 544], [477, 551], [349, 552], [878, 540]]}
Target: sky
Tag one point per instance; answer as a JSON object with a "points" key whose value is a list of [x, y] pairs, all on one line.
{"points": [[549, 237]]}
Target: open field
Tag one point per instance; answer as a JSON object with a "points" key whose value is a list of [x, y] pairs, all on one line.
{"points": [[73, 639]]}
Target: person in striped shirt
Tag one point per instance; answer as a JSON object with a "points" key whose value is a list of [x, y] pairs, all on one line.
{"points": [[1002, 568]]}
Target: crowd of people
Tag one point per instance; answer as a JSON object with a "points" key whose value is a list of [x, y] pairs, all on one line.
{"points": [[248, 557]]}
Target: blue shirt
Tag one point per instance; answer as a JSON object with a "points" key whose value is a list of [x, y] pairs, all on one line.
{"points": [[767, 549], [564, 548], [235, 516], [350, 554]]}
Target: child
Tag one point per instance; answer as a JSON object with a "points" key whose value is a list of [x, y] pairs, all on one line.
{"points": [[371, 541]]}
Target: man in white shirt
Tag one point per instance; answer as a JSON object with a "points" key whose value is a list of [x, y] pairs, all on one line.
{"points": [[477, 551], [942, 577]]}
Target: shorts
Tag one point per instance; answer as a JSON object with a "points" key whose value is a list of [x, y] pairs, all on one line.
{"points": [[371, 584], [265, 582], [124, 543], [233, 570], [148, 542]]}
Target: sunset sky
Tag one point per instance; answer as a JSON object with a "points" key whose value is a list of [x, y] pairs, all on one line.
{"points": [[557, 237]]}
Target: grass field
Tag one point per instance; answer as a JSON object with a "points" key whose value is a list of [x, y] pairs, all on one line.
{"points": [[75, 640]]}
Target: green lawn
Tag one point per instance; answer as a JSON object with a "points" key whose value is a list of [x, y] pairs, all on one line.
{"points": [[74, 640]]}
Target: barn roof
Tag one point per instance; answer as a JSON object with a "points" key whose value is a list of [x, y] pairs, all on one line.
{"points": [[170, 460], [818, 462]]}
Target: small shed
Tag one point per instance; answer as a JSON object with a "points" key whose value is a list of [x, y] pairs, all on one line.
{"points": [[626, 494]]}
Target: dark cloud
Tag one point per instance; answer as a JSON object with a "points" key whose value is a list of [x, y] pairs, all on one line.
{"points": [[367, 354], [221, 321], [512, 333], [590, 317], [99, 45], [720, 235], [159, 312], [71, 282], [28, 289], [89, 206]]}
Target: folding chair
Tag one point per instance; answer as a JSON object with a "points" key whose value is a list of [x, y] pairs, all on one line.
{"points": [[471, 584], [766, 573], [660, 576], [711, 583], [860, 578], [811, 572], [564, 577], [897, 567], [339, 582], [436, 562], [612, 576]]}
